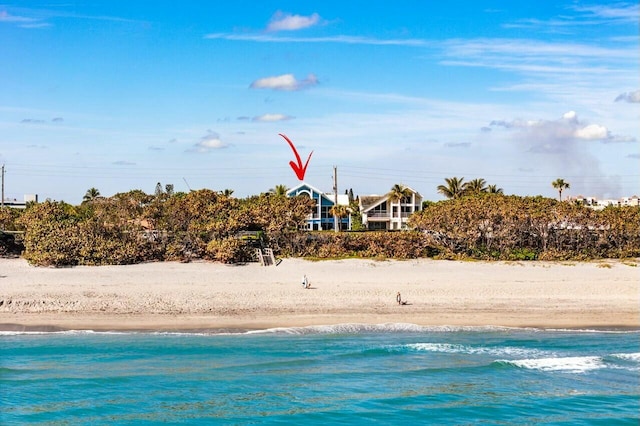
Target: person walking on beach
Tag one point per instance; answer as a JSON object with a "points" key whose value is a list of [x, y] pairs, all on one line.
{"points": [[305, 281], [399, 298]]}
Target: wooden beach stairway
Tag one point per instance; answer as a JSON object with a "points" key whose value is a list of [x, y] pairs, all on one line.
{"points": [[266, 257]]}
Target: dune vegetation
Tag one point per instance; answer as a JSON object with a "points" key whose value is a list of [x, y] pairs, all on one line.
{"points": [[136, 227]]}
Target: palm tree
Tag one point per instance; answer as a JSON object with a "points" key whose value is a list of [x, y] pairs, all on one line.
{"points": [[279, 190], [90, 195], [397, 193], [453, 189], [493, 189], [560, 184], [226, 192], [475, 186], [340, 212]]}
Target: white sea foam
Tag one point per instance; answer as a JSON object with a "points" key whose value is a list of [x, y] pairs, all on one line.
{"points": [[577, 364], [589, 331], [628, 357], [19, 333], [60, 332], [27, 332], [476, 350], [347, 328], [353, 328]]}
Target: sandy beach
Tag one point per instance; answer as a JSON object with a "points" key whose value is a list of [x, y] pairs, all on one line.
{"points": [[202, 295]]}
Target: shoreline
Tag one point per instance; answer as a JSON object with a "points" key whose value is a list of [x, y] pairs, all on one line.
{"points": [[30, 327], [202, 296]]}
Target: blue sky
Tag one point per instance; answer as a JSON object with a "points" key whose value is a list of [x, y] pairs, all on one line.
{"points": [[121, 95]]}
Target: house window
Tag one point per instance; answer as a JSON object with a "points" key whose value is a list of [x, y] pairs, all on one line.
{"points": [[378, 211], [377, 226], [324, 211], [406, 211]]}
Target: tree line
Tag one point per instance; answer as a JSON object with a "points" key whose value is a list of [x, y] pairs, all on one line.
{"points": [[491, 226], [478, 223]]}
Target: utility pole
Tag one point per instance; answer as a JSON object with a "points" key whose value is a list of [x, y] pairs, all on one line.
{"points": [[335, 198], [3, 185]]}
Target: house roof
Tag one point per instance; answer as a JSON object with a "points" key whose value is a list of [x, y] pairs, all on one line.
{"points": [[302, 185], [367, 202], [343, 199]]}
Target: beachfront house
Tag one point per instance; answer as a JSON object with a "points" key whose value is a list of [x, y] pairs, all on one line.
{"points": [[321, 219], [381, 212], [14, 203], [600, 204]]}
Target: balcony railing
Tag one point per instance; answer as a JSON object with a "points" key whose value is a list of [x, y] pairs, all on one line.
{"points": [[386, 214], [378, 213]]}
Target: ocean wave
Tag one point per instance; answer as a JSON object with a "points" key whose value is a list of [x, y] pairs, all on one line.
{"points": [[575, 364], [355, 328], [596, 331], [345, 328], [477, 350], [38, 332], [628, 357]]}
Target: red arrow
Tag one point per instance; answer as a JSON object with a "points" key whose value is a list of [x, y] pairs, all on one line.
{"points": [[299, 169]]}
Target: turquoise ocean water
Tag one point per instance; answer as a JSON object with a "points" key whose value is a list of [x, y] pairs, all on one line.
{"points": [[348, 374]]}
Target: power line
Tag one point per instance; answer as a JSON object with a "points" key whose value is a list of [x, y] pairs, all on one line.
{"points": [[347, 170]]}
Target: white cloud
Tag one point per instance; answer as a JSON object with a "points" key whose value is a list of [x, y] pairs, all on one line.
{"points": [[36, 25], [561, 147], [342, 39], [269, 118], [287, 22], [631, 97], [551, 134], [617, 11], [592, 132], [551, 131], [530, 51], [7, 17], [209, 142], [619, 139], [286, 82]]}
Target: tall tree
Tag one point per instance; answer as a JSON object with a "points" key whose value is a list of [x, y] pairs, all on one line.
{"points": [[341, 212], [453, 189], [493, 189], [279, 190], [397, 193], [90, 195], [158, 191], [560, 185], [475, 186]]}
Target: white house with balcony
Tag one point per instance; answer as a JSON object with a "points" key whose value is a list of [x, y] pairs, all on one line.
{"points": [[379, 212]]}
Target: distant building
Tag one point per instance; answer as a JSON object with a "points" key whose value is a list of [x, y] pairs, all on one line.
{"points": [[14, 203], [321, 219], [380, 213], [630, 201], [596, 204]]}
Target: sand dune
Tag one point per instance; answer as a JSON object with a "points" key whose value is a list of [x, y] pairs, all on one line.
{"points": [[170, 296]]}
